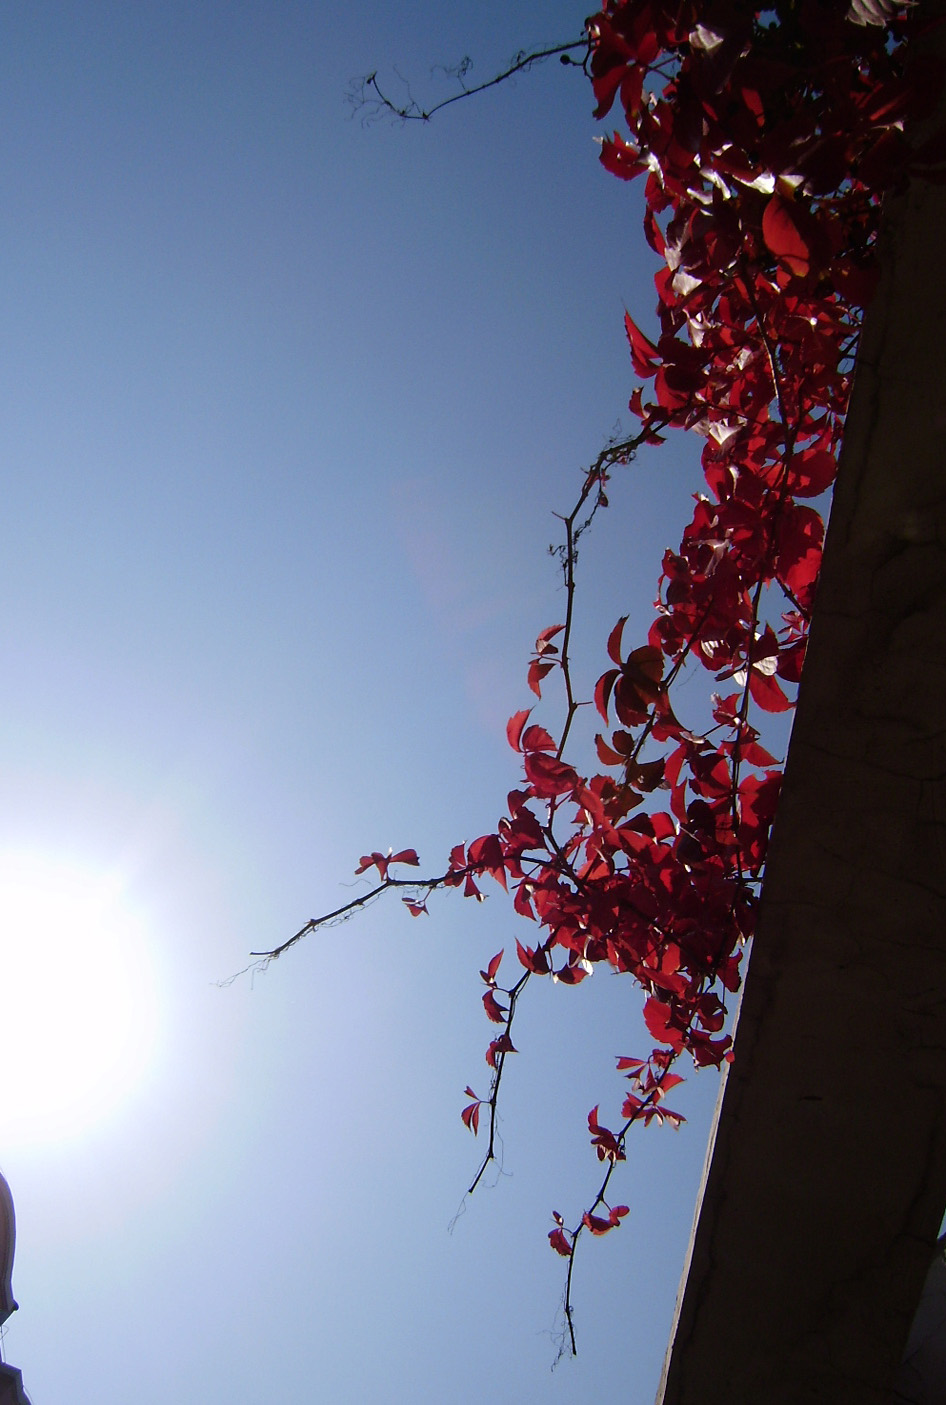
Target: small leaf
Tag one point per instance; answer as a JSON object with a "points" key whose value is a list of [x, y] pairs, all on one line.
{"points": [[766, 691], [657, 1017], [493, 967], [538, 669], [375, 859], [547, 776], [535, 961], [614, 641], [644, 354], [502, 1045], [603, 690], [783, 237], [514, 728], [559, 1243], [493, 1009], [537, 739], [596, 1224]]}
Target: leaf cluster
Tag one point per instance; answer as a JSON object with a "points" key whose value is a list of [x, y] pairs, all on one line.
{"points": [[766, 141]]}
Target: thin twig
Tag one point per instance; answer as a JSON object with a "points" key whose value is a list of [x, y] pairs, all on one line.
{"points": [[366, 92]]}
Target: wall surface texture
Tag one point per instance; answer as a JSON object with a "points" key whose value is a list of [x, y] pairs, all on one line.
{"points": [[826, 1181]]}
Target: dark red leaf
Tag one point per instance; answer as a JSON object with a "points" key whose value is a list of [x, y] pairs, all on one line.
{"points": [[548, 776], [596, 1224], [614, 641], [603, 689], [559, 1243], [621, 159], [571, 975], [502, 1045], [535, 961], [494, 1010], [783, 237], [644, 353], [812, 472]]}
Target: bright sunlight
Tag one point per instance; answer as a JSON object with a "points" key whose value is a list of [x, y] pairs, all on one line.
{"points": [[80, 1008]]}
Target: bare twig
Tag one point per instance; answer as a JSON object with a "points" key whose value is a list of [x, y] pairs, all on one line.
{"points": [[365, 94]]}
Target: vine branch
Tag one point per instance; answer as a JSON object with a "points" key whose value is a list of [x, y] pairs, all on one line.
{"points": [[365, 94]]}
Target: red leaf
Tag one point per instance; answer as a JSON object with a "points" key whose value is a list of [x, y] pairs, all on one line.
{"points": [[559, 1243], [603, 689], [538, 669], [571, 975], [522, 901], [493, 1009], [799, 535], [614, 641], [489, 975], [379, 861], [812, 472], [606, 755], [487, 852], [767, 692], [548, 776], [536, 739], [502, 1045], [535, 961], [405, 856], [596, 1224], [514, 728], [416, 909], [644, 353], [657, 1017], [471, 1116], [782, 235], [603, 1139], [621, 159]]}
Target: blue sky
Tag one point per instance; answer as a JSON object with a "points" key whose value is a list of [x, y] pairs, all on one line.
{"points": [[287, 405]]}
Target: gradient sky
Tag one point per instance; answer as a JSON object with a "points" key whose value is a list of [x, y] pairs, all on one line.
{"points": [[287, 405]]}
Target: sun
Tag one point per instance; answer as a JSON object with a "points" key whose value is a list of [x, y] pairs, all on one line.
{"points": [[78, 983]]}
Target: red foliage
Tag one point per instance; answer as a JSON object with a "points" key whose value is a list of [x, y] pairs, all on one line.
{"points": [[766, 148]]}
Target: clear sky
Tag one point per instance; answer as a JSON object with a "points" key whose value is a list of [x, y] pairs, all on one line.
{"points": [[287, 405]]}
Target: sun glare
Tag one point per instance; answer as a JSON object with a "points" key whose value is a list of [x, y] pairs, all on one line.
{"points": [[80, 1010]]}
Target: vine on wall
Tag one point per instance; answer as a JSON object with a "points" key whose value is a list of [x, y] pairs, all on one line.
{"points": [[766, 140]]}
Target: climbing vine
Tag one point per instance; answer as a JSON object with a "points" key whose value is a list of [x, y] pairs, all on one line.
{"points": [[766, 140]]}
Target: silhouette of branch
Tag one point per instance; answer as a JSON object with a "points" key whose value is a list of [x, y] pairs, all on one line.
{"points": [[365, 94]]}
